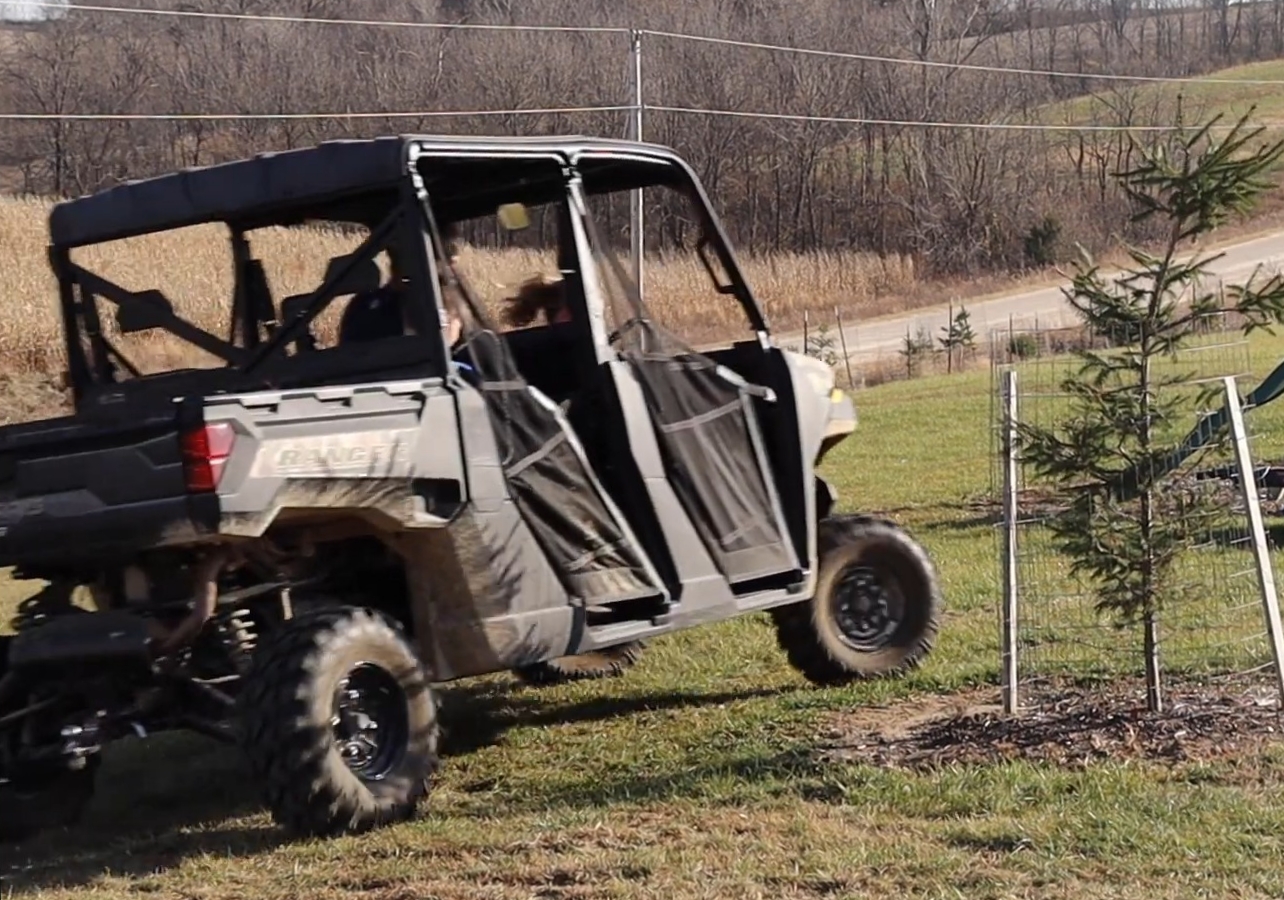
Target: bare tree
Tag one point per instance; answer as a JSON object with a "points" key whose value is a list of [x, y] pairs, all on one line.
{"points": [[958, 199]]}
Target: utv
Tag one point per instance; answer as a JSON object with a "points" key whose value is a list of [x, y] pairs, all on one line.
{"points": [[289, 545]]}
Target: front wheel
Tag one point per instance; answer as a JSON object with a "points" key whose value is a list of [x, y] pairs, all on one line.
{"points": [[876, 609], [339, 723]]}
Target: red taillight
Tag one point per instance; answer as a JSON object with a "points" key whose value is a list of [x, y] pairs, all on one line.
{"points": [[205, 452]]}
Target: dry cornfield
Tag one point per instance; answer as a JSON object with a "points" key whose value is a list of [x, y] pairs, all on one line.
{"points": [[193, 267]]}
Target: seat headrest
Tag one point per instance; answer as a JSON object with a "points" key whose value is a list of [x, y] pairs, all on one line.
{"points": [[361, 278]]}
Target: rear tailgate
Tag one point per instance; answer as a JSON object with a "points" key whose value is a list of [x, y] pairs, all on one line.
{"points": [[80, 488]]}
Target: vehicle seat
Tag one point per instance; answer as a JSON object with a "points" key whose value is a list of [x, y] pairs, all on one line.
{"points": [[547, 356], [361, 279]]}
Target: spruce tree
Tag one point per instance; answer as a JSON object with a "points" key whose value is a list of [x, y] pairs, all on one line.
{"points": [[1114, 454]]}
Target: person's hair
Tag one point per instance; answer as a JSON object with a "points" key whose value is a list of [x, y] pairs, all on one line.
{"points": [[540, 294]]}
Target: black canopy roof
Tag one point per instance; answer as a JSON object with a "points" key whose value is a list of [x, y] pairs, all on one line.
{"points": [[248, 188]]}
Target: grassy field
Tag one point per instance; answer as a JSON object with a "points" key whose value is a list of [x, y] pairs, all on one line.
{"points": [[700, 774], [1196, 102]]}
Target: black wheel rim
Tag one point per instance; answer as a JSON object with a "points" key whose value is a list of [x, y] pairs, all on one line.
{"points": [[371, 721], [866, 611]]}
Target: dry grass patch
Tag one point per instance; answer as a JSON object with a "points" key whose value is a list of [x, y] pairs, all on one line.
{"points": [[193, 267]]}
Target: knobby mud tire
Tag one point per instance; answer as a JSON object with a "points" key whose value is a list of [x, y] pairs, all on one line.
{"points": [[57, 800], [286, 711], [810, 633], [608, 662]]}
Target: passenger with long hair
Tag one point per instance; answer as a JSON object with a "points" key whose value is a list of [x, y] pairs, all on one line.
{"points": [[538, 296]]}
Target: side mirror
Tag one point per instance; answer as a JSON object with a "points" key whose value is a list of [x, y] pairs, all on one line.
{"points": [[513, 217]]}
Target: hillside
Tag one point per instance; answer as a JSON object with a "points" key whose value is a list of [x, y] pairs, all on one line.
{"points": [[1191, 102]]}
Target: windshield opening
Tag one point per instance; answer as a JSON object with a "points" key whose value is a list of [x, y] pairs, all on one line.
{"points": [[686, 290]]}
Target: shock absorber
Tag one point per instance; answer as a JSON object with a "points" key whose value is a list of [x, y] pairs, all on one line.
{"points": [[239, 635]]}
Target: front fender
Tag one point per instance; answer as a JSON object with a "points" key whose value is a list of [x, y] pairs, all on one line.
{"points": [[826, 499], [840, 422]]}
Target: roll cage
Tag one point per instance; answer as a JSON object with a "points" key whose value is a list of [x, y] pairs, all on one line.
{"points": [[384, 185]]}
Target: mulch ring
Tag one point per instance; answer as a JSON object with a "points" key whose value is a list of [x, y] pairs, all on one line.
{"points": [[1068, 725]]}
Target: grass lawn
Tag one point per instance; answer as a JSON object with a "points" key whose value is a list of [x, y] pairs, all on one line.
{"points": [[695, 775], [1197, 101]]}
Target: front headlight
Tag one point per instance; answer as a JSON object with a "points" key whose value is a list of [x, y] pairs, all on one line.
{"points": [[840, 422], [841, 407]]}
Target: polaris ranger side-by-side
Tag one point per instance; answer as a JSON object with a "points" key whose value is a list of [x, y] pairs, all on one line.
{"points": [[288, 549]]}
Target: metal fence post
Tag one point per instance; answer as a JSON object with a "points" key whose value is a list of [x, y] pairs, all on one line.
{"points": [[636, 200], [1010, 510], [1261, 550]]}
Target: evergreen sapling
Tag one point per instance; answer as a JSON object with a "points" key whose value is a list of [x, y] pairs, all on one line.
{"points": [[1113, 456]]}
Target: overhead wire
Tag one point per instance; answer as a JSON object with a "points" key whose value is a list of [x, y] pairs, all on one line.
{"points": [[315, 20], [681, 36], [969, 67], [911, 123], [672, 35], [571, 110], [393, 114]]}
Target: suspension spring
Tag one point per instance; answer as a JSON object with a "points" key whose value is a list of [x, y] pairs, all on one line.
{"points": [[239, 634]]}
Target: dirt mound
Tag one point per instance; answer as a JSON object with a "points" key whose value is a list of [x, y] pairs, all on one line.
{"points": [[1067, 724]]}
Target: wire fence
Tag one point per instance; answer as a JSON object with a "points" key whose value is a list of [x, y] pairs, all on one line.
{"points": [[1212, 620]]}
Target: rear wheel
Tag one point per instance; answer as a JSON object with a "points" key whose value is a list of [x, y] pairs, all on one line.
{"points": [[876, 609], [37, 802], [339, 723], [44, 797], [607, 662]]}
